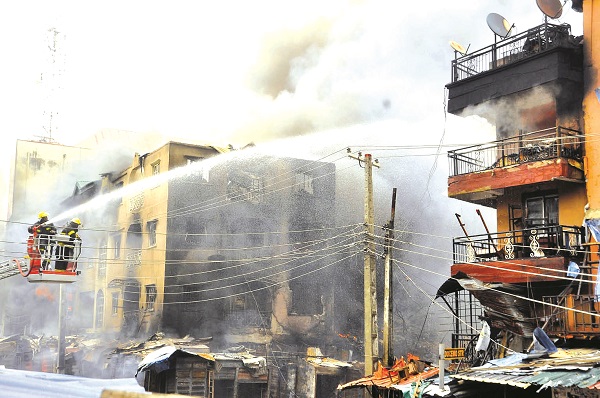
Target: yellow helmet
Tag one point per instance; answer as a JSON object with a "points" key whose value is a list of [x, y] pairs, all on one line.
{"points": [[76, 221], [42, 214]]}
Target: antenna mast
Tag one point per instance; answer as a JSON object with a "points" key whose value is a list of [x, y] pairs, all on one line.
{"points": [[51, 82]]}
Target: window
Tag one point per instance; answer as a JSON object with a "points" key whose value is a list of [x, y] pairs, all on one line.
{"points": [[203, 171], [115, 304], [116, 238], [541, 211], [155, 168], [151, 227], [150, 297], [304, 182], [102, 260], [99, 309]]}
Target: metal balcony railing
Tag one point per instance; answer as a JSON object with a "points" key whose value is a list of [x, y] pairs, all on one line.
{"points": [[542, 241], [512, 49], [584, 320], [529, 147]]}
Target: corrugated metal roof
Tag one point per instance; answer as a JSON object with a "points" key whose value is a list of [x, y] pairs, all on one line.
{"points": [[567, 368], [26, 384], [392, 378]]}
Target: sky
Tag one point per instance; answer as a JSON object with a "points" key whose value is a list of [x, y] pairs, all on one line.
{"points": [[234, 71]]}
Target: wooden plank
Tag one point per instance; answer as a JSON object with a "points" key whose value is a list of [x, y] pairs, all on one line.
{"points": [[513, 176], [514, 271]]}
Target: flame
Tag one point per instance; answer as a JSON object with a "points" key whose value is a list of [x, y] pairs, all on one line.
{"points": [[348, 336], [44, 292]]}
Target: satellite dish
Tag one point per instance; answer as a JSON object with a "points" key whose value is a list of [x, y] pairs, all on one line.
{"points": [[498, 24], [457, 47], [552, 8]]}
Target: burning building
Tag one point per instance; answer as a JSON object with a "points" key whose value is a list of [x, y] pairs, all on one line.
{"points": [[539, 269], [234, 246]]}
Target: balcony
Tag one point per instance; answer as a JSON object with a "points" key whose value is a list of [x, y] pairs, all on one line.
{"points": [[528, 255], [478, 173], [569, 323], [531, 42], [545, 54]]}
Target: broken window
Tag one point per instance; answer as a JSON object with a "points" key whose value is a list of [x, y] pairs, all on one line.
{"points": [[151, 227], [244, 186], [150, 297]]}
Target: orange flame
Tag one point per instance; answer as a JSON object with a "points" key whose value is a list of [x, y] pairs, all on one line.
{"points": [[44, 292]]}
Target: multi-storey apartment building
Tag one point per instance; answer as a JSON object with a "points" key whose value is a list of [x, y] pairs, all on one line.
{"points": [[540, 174], [214, 243]]}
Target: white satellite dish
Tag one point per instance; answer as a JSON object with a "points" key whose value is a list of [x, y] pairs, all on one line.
{"points": [[499, 25], [457, 47], [551, 8]]}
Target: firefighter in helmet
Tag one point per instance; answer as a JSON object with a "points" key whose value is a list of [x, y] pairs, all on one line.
{"points": [[65, 250], [41, 230]]}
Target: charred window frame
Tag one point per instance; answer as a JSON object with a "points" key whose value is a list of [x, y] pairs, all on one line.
{"points": [[150, 297], [99, 309], [115, 304], [151, 228]]}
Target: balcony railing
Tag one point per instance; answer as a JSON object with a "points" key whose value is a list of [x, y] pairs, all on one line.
{"points": [[571, 322], [515, 48], [537, 145], [542, 241]]}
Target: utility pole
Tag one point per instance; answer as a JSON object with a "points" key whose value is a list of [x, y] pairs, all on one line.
{"points": [[60, 349], [371, 339], [388, 296]]}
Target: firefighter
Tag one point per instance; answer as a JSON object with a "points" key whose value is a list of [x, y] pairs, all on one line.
{"points": [[66, 250], [42, 230]]}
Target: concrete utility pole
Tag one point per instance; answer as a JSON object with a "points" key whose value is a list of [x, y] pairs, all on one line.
{"points": [[60, 349], [371, 339], [388, 296]]}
